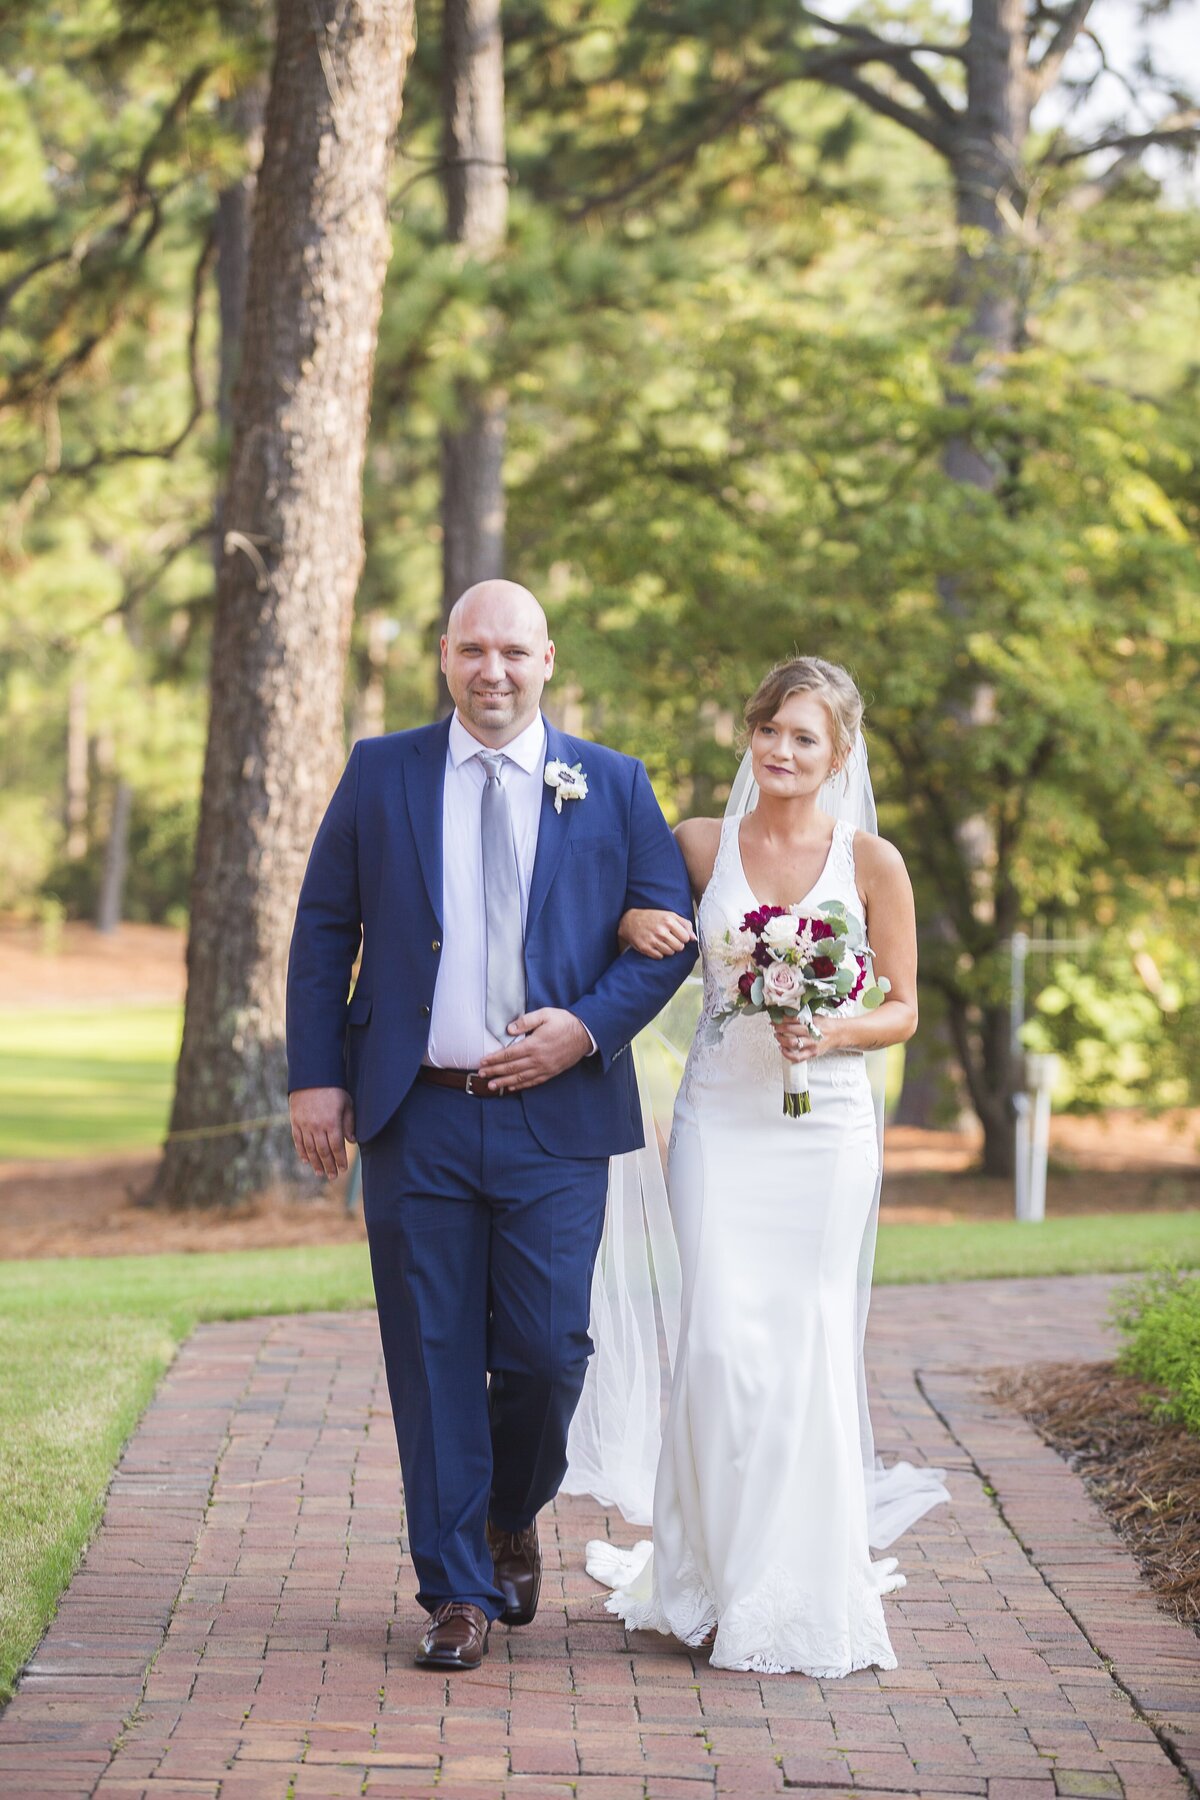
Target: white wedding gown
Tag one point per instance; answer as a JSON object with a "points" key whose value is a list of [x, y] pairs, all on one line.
{"points": [[760, 1502]]}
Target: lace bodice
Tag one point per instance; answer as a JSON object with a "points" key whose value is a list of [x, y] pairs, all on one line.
{"points": [[729, 896], [746, 1046]]}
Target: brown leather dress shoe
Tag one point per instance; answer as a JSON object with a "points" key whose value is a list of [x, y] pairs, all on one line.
{"points": [[455, 1638], [517, 1560]]}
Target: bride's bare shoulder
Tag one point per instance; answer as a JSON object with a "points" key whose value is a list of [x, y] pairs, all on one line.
{"points": [[699, 840], [876, 858], [698, 831]]}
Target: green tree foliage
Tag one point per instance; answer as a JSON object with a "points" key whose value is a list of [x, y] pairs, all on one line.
{"points": [[727, 297], [114, 148]]}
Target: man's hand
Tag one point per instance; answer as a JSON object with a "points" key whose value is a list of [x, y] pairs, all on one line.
{"points": [[322, 1126], [654, 932], [555, 1040]]}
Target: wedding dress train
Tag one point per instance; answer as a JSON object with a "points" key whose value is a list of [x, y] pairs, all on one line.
{"points": [[762, 1513]]}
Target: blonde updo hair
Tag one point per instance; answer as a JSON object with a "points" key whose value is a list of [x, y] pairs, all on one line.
{"points": [[810, 675]]}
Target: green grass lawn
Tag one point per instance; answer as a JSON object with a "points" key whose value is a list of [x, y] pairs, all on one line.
{"points": [[87, 1081], [83, 1341]]}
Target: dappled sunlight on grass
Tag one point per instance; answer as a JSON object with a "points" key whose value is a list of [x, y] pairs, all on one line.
{"points": [[92, 1080]]}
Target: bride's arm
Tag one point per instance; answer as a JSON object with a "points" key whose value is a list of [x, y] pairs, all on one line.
{"points": [[657, 933], [892, 929]]}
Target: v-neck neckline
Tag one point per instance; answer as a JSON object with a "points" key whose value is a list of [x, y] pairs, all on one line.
{"points": [[737, 844]]}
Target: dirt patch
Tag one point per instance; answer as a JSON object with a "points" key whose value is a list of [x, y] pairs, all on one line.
{"points": [[90, 1207], [1122, 1162], [1143, 1471], [75, 965], [1128, 1161]]}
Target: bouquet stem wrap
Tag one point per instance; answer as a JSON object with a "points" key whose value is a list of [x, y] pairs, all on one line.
{"points": [[796, 1098]]}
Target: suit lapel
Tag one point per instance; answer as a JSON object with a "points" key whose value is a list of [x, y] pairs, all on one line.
{"points": [[424, 784], [553, 828]]}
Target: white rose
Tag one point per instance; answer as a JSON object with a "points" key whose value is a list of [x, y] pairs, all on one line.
{"points": [[783, 985], [780, 933]]}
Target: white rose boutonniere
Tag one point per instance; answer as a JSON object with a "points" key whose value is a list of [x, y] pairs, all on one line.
{"points": [[568, 781]]}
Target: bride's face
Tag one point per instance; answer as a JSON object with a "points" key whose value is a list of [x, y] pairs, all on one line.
{"points": [[793, 752]]}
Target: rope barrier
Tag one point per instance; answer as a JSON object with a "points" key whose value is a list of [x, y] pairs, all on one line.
{"points": [[215, 1131]]}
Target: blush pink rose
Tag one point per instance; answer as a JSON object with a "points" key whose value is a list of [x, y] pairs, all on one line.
{"points": [[783, 986]]}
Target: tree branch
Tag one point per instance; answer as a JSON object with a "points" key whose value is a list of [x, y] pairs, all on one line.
{"points": [[138, 196], [12, 287], [826, 65], [1044, 72], [154, 452], [1180, 127], [859, 34], [912, 120], [742, 103]]}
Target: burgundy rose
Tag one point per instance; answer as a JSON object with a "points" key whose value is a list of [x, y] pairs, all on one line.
{"points": [[746, 984], [824, 966], [822, 929]]}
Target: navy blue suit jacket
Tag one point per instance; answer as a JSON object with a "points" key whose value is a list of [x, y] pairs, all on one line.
{"points": [[375, 876]]}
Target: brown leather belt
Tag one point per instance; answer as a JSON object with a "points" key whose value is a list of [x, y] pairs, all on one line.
{"points": [[463, 1080]]}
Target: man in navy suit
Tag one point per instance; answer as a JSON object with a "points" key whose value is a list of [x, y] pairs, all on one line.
{"points": [[482, 1061]]}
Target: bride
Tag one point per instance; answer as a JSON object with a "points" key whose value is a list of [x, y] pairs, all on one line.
{"points": [[767, 1493]]}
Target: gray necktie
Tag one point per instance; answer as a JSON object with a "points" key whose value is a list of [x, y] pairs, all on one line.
{"points": [[502, 902]]}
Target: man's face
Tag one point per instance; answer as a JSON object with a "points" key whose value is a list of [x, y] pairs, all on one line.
{"points": [[497, 659]]}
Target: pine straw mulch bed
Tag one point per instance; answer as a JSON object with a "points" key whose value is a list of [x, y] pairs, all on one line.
{"points": [[1143, 1471]]}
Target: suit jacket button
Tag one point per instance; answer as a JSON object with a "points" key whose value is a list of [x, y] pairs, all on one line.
{"points": [[436, 944], [424, 1012]]}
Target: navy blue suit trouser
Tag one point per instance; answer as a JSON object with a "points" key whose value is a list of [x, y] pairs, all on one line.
{"points": [[482, 1248]]}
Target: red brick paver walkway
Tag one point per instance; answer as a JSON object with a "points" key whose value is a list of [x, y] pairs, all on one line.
{"points": [[242, 1627]]}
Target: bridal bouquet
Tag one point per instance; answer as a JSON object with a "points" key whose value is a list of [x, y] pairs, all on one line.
{"points": [[788, 963]]}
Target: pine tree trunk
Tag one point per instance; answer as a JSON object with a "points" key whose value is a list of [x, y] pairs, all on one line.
{"points": [[989, 179], [232, 229], [369, 718], [292, 557], [110, 905], [988, 166], [473, 510], [75, 809]]}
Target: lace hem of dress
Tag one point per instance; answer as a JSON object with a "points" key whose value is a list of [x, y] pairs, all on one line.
{"points": [[769, 1631]]}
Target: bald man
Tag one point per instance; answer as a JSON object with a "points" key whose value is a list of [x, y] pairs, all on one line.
{"points": [[484, 865]]}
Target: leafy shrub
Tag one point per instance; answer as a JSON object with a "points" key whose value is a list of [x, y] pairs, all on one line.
{"points": [[1159, 1319]]}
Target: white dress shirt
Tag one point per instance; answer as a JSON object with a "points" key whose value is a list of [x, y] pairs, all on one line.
{"points": [[458, 1035]]}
